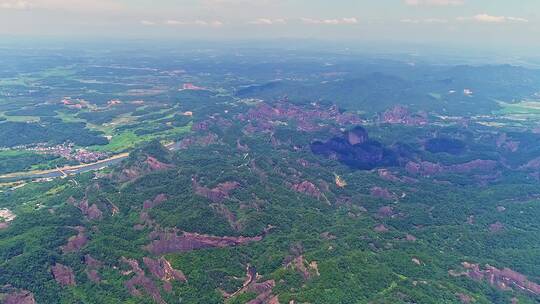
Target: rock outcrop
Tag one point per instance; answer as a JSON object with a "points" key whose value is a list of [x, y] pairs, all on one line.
{"points": [[63, 275], [170, 242], [217, 194], [383, 193], [425, 168], [307, 188], [504, 279], [92, 266], [76, 242], [401, 115], [160, 198], [162, 270], [263, 290], [91, 212], [141, 281], [16, 296], [356, 150]]}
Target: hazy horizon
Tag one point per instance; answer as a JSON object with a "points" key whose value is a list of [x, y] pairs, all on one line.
{"points": [[464, 24]]}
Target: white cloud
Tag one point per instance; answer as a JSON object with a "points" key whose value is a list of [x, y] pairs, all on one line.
{"points": [[266, 21], [63, 5], [486, 18], [351, 20], [147, 23], [489, 18], [517, 19], [16, 5], [434, 2], [428, 21], [212, 23]]}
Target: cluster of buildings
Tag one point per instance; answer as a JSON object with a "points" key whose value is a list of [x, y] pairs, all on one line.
{"points": [[69, 152]]}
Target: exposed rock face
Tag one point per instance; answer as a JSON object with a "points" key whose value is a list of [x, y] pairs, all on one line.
{"points": [[429, 169], [263, 289], [410, 238], [155, 164], [169, 242], [533, 164], [217, 194], [201, 141], [76, 242], [385, 211], [389, 176], [475, 165], [365, 154], [162, 269], [222, 210], [200, 126], [357, 135], [140, 280], [423, 168], [307, 188], [383, 193], [92, 266], [505, 143], [381, 228], [401, 115], [91, 212], [140, 168], [307, 270], [504, 279], [19, 297], [160, 198], [241, 147], [63, 275], [465, 299], [264, 117], [6, 216], [496, 227]]}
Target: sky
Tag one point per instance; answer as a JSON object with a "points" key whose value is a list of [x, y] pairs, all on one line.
{"points": [[476, 23]]}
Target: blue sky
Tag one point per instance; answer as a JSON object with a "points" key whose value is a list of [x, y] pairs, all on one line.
{"points": [[465, 22]]}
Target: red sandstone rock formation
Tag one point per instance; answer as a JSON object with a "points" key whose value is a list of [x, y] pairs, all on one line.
{"points": [[465, 299], [307, 188], [307, 270], [263, 289], [504, 279], [91, 212], [410, 238], [381, 228], [383, 193], [76, 242], [385, 211], [19, 297], [217, 194], [162, 269], [155, 164], [63, 275], [201, 141], [533, 164], [160, 198], [401, 115], [387, 175], [496, 227], [504, 142], [429, 169], [92, 266], [140, 280], [222, 210], [169, 242]]}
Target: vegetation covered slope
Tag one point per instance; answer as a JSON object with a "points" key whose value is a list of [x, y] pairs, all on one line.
{"points": [[244, 212]]}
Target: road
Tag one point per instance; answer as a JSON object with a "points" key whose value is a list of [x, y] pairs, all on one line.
{"points": [[68, 170]]}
